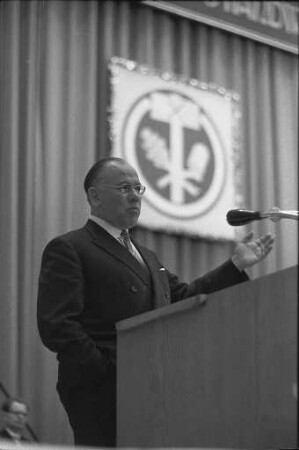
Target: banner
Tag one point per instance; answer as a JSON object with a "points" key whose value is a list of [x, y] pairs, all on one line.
{"points": [[183, 138], [273, 23]]}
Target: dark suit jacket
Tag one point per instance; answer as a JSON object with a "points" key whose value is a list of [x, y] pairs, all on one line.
{"points": [[88, 282]]}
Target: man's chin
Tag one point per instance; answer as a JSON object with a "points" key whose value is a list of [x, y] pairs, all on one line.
{"points": [[132, 222]]}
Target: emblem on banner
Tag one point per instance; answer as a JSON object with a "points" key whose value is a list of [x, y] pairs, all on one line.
{"points": [[175, 146]]}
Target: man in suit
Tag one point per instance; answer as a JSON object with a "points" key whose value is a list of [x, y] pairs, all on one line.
{"points": [[15, 412], [95, 276]]}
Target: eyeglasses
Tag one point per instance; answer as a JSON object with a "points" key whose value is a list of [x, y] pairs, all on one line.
{"points": [[19, 413], [127, 188]]}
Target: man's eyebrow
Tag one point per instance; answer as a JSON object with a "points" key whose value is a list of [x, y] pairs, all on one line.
{"points": [[129, 184]]}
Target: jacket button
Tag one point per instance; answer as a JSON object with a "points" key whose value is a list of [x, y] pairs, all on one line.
{"points": [[134, 289]]}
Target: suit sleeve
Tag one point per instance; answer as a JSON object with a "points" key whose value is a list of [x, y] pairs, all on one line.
{"points": [[59, 306], [220, 278]]}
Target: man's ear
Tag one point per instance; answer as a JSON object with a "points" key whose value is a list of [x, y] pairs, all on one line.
{"points": [[93, 196]]}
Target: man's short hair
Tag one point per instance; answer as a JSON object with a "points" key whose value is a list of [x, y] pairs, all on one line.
{"points": [[96, 170], [6, 405]]}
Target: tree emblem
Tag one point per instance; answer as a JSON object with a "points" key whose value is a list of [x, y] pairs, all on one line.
{"points": [[172, 142], [177, 176]]}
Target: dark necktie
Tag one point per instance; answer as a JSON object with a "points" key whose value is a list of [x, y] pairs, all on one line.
{"points": [[125, 240]]}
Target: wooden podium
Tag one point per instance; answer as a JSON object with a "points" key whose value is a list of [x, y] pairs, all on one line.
{"points": [[222, 374]]}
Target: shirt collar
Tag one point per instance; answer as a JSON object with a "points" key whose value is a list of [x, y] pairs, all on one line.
{"points": [[115, 232], [13, 434]]}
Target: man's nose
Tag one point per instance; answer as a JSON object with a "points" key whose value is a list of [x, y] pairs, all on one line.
{"points": [[134, 195]]}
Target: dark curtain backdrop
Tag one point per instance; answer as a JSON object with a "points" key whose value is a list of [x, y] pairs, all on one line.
{"points": [[53, 125]]}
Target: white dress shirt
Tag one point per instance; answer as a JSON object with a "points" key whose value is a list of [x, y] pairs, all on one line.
{"points": [[115, 232]]}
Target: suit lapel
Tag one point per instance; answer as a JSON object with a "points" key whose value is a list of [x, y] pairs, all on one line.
{"points": [[159, 298], [110, 245]]}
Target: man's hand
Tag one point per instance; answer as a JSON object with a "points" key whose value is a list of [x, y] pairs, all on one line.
{"points": [[251, 251]]}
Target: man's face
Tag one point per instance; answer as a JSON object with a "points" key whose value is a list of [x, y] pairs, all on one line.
{"points": [[16, 418], [121, 210]]}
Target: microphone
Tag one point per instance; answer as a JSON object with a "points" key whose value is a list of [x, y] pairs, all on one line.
{"points": [[238, 217]]}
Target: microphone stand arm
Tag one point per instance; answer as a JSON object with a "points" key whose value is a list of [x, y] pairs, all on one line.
{"points": [[276, 214]]}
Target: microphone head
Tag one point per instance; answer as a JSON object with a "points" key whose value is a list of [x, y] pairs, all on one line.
{"points": [[238, 217]]}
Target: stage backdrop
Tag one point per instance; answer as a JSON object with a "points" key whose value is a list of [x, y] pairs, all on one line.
{"points": [[54, 96], [183, 138]]}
